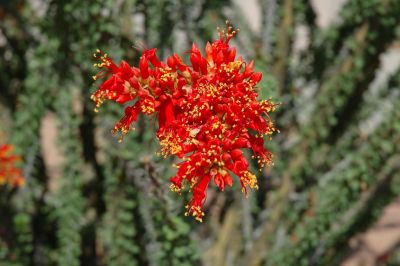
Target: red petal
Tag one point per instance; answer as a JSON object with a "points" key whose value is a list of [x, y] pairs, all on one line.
{"points": [[242, 143], [231, 54], [228, 180], [166, 114], [152, 57], [236, 154], [248, 70], [219, 181], [144, 67], [256, 77]]}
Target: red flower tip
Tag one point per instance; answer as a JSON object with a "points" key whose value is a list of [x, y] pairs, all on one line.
{"points": [[256, 77], [227, 34]]}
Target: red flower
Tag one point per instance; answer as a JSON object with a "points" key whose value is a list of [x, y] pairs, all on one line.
{"points": [[9, 173], [207, 112]]}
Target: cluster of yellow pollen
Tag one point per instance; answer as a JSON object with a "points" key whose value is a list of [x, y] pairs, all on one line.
{"points": [[175, 188], [246, 99], [216, 125], [209, 90], [122, 128], [195, 111], [170, 145], [262, 161], [104, 62], [188, 171], [272, 129], [147, 106], [249, 179], [193, 182], [99, 99], [267, 131], [195, 211], [232, 67], [193, 140], [167, 74], [267, 106], [213, 155]]}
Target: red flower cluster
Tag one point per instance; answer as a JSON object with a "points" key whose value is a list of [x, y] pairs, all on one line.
{"points": [[207, 112], [9, 173]]}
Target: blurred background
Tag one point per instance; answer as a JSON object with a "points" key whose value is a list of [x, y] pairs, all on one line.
{"points": [[332, 197]]}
